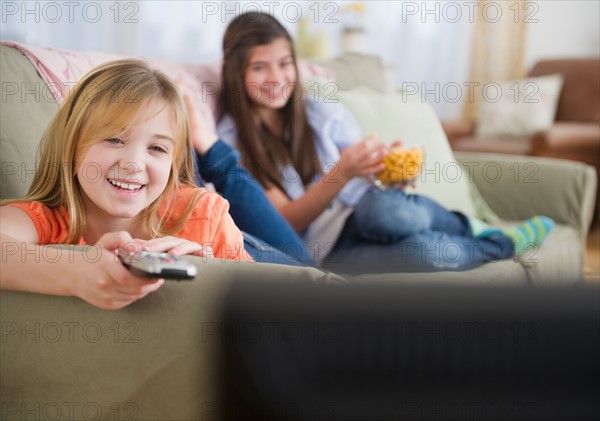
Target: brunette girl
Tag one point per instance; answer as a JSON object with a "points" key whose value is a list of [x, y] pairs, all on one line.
{"points": [[306, 155]]}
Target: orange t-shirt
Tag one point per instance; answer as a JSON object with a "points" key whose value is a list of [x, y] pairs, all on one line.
{"points": [[209, 223]]}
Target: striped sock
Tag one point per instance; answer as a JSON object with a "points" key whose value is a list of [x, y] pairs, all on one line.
{"points": [[533, 231]]}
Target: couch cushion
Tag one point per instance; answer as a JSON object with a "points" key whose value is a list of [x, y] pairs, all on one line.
{"points": [[502, 272], [537, 266], [394, 117], [27, 108], [354, 69]]}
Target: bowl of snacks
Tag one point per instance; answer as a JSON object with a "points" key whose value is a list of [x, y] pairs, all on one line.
{"points": [[402, 166]]}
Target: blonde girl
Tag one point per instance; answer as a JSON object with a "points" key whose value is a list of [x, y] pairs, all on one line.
{"points": [[116, 171]]}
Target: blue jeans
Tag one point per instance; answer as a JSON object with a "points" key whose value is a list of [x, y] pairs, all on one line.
{"points": [[265, 253], [250, 209], [391, 231]]}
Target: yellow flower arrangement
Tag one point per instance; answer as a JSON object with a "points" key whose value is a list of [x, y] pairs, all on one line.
{"points": [[352, 16], [354, 7]]}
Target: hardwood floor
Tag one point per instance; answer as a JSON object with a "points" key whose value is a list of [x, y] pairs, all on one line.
{"points": [[592, 256]]}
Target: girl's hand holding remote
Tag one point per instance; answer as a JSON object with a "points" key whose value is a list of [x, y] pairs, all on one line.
{"points": [[106, 283]]}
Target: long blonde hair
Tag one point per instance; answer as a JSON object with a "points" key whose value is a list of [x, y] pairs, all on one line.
{"points": [[105, 102]]}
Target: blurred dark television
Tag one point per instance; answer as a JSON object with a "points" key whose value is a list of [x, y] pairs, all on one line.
{"points": [[394, 352]]}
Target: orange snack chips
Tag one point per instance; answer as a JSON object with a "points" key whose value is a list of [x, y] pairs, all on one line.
{"points": [[401, 165]]}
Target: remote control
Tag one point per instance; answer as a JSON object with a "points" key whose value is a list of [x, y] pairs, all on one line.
{"points": [[149, 264]]}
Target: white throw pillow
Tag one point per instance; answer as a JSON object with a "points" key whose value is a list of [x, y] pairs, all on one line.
{"points": [[519, 107]]}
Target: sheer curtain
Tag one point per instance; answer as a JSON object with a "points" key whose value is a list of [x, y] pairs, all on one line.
{"points": [[499, 47], [429, 48], [425, 51]]}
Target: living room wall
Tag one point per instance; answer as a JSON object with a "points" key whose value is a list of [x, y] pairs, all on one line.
{"points": [[423, 42], [557, 28], [565, 29]]}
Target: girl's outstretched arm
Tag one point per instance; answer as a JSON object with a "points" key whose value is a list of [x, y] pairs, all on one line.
{"points": [[219, 164], [94, 275], [364, 158]]}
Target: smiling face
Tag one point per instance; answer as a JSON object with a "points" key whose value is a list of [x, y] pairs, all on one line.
{"points": [[122, 175], [271, 74]]}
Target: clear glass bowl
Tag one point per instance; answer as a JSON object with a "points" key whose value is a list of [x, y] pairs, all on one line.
{"points": [[385, 185]]}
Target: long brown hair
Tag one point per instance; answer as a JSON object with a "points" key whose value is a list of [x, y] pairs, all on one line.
{"points": [[260, 148], [105, 102]]}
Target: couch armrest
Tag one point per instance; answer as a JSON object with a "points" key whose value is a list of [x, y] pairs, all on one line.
{"points": [[518, 187], [458, 129], [565, 138], [157, 359]]}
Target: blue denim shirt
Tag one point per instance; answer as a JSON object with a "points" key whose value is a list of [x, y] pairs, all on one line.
{"points": [[334, 128]]}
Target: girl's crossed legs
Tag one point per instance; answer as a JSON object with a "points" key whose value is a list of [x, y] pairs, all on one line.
{"points": [[391, 231]]}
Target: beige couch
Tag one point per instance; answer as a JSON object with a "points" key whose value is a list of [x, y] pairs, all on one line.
{"points": [[158, 358]]}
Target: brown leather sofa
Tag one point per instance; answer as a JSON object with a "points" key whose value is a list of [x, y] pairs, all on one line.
{"points": [[575, 134]]}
